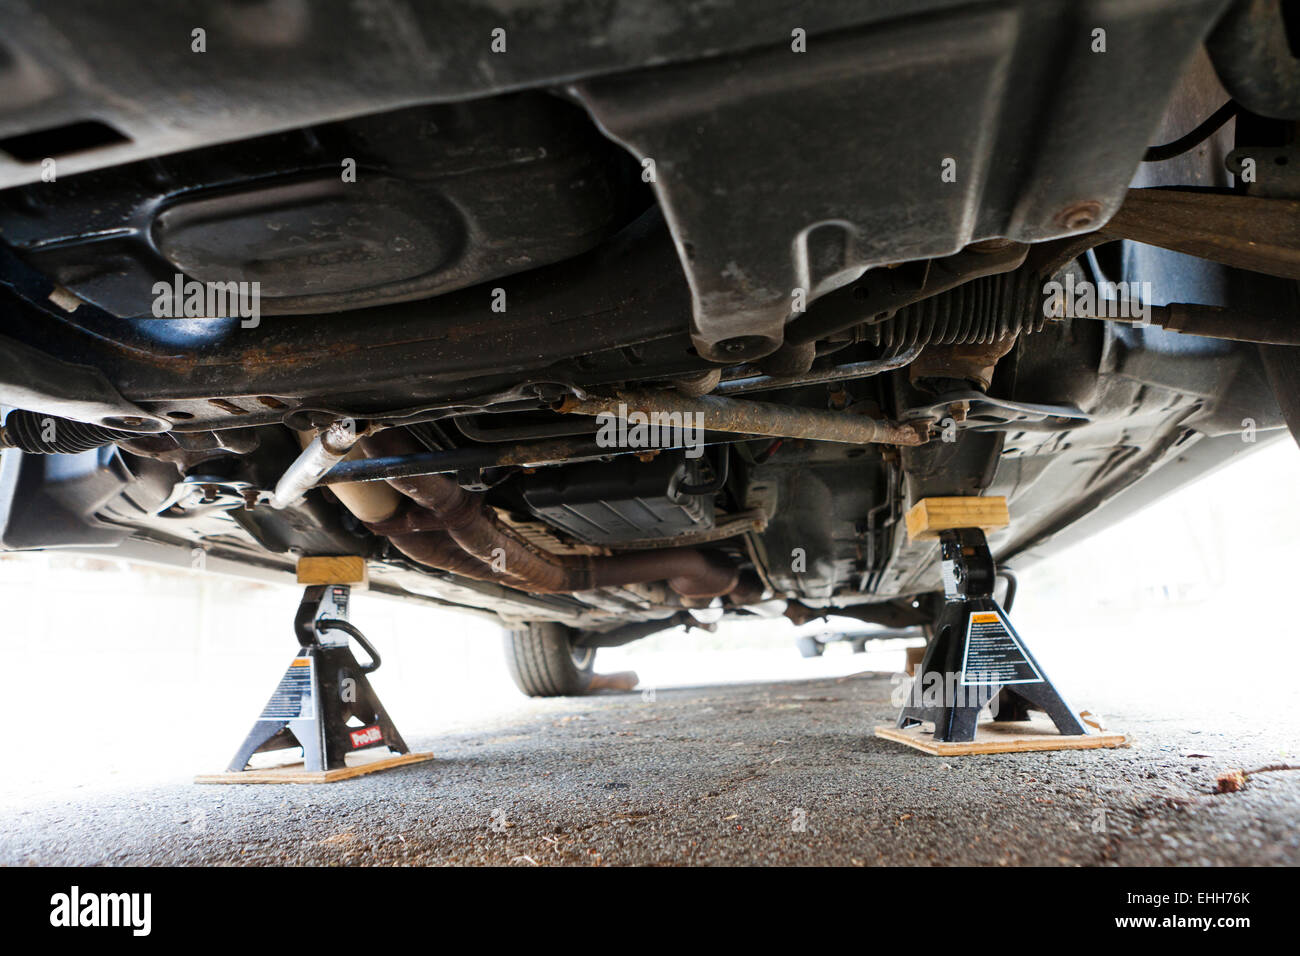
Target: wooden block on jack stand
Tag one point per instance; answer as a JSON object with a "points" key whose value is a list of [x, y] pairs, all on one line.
{"points": [[929, 516], [994, 737], [335, 569]]}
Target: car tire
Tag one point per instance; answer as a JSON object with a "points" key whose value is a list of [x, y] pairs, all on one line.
{"points": [[544, 663]]}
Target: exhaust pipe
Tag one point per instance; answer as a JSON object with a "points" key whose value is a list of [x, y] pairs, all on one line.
{"points": [[322, 453], [456, 525]]}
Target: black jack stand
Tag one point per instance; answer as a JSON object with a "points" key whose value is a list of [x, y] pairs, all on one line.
{"points": [[323, 703], [976, 656]]}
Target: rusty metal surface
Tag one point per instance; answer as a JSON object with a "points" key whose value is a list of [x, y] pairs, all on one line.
{"points": [[728, 526], [755, 418], [476, 544], [543, 537], [974, 362], [628, 295], [1247, 232], [1218, 322]]}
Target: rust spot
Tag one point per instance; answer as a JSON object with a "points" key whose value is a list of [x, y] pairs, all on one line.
{"points": [[287, 355], [226, 406]]}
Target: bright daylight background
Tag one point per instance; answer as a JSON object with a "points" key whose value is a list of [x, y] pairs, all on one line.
{"points": [[123, 674]]}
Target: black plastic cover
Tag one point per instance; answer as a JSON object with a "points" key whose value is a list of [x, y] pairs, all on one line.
{"points": [[621, 500], [354, 214]]}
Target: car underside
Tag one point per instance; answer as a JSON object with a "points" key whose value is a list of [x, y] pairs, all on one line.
{"points": [[610, 318]]}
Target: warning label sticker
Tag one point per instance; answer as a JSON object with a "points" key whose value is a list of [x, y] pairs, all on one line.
{"points": [[292, 699], [994, 654]]}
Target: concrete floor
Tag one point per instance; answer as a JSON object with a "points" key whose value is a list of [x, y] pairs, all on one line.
{"points": [[770, 773]]}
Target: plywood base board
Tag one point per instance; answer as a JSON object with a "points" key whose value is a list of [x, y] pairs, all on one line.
{"points": [[294, 772], [993, 737]]}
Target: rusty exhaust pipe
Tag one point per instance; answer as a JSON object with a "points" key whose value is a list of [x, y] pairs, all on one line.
{"points": [[454, 530]]}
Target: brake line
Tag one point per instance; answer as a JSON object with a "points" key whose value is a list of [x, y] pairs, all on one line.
{"points": [[1158, 154]]}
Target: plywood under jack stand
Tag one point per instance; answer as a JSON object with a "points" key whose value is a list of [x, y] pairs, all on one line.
{"points": [[1000, 737], [359, 764]]}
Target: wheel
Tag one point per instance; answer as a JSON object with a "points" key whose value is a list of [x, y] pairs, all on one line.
{"points": [[860, 647], [810, 647], [544, 663]]}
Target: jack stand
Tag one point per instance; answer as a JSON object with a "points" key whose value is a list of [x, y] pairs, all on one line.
{"points": [[323, 689], [975, 659]]}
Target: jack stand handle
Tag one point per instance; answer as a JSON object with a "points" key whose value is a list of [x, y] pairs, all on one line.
{"points": [[1006, 574], [334, 624]]}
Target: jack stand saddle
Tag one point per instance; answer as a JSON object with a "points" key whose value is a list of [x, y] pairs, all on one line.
{"points": [[976, 657], [323, 689]]}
